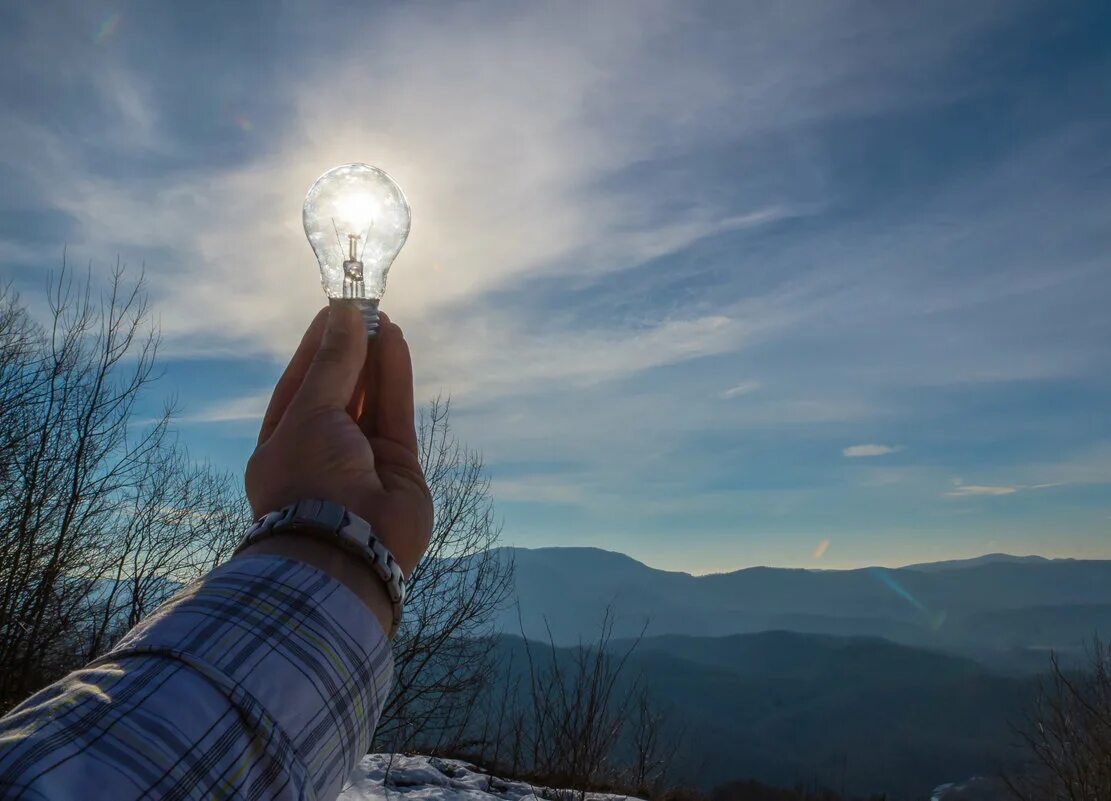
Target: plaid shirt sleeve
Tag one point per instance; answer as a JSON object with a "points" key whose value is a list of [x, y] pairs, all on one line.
{"points": [[264, 681]]}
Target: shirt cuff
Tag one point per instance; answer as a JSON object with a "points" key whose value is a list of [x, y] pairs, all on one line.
{"points": [[279, 634]]}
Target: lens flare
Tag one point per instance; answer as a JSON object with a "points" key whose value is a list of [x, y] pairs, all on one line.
{"points": [[936, 618], [107, 26], [885, 578]]}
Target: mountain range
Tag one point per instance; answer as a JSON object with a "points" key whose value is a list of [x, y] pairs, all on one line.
{"points": [[1005, 611]]}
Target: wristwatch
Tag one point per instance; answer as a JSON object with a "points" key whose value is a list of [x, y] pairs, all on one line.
{"points": [[341, 527]]}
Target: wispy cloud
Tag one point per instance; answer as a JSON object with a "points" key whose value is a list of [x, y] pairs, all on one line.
{"points": [[743, 388], [868, 450], [974, 490], [586, 357], [540, 489], [247, 408], [962, 490]]}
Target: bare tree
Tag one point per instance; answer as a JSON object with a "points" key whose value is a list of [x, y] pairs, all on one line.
{"points": [[578, 710], [443, 651], [652, 747], [572, 718], [1067, 736], [183, 520], [97, 508]]}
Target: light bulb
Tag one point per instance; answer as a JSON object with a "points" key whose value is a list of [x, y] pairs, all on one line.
{"points": [[356, 219]]}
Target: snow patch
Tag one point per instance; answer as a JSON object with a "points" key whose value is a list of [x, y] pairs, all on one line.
{"points": [[978, 788], [393, 777]]}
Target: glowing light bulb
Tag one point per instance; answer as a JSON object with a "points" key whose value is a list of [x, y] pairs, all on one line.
{"points": [[356, 219]]}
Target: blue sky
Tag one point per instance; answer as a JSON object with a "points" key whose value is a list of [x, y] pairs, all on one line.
{"points": [[713, 284]]}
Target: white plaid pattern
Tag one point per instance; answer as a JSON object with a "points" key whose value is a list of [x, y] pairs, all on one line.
{"points": [[263, 681]]}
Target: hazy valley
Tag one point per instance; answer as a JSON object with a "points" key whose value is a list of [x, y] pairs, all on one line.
{"points": [[871, 680]]}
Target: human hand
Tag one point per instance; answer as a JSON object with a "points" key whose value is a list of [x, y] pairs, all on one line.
{"points": [[340, 427]]}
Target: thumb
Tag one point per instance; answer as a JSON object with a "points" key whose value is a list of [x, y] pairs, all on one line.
{"points": [[331, 378]]}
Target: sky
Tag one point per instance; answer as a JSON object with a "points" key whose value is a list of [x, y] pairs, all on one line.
{"points": [[814, 284]]}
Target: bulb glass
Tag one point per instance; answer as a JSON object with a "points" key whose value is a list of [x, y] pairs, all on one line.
{"points": [[356, 219]]}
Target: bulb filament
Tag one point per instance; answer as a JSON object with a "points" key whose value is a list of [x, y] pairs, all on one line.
{"points": [[353, 270]]}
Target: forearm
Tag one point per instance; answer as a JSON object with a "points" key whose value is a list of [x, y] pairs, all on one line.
{"points": [[265, 679]]}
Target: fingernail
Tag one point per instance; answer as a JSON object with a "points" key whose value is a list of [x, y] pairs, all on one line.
{"points": [[340, 313]]}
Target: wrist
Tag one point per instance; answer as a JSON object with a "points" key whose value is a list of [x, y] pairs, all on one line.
{"points": [[342, 541], [338, 563]]}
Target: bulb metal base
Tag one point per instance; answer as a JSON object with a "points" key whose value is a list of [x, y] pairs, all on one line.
{"points": [[367, 308]]}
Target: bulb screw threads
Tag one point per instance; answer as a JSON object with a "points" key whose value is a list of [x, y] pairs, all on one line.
{"points": [[368, 308]]}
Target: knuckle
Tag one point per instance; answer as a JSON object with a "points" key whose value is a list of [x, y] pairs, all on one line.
{"points": [[330, 353]]}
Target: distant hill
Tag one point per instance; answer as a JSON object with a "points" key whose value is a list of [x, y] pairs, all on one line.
{"points": [[1003, 609], [788, 655], [977, 561]]}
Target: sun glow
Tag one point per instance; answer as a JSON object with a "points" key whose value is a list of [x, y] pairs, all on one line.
{"points": [[357, 206]]}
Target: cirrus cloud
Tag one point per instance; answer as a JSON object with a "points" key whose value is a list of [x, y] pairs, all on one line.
{"points": [[867, 450]]}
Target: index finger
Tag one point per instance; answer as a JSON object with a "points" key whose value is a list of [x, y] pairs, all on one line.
{"points": [[331, 378], [294, 374]]}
